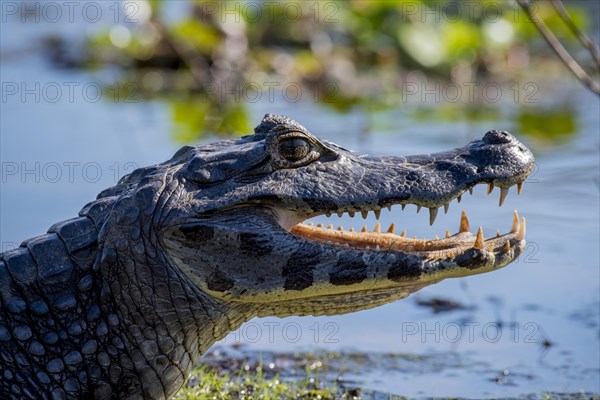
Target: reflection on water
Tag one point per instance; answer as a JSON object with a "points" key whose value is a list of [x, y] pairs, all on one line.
{"points": [[529, 328]]}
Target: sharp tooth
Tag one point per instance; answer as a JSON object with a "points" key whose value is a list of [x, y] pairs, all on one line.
{"points": [[310, 224], [503, 194], [339, 228], [519, 187], [506, 247], [403, 234], [368, 248], [479, 240], [515, 224], [330, 226], [351, 214], [403, 207], [436, 237], [393, 246], [377, 248], [377, 228], [415, 237], [447, 233], [498, 233], [364, 214], [451, 255], [351, 230], [346, 245], [521, 234], [377, 214], [320, 226], [446, 206], [389, 208], [328, 214], [432, 214], [340, 214], [470, 190], [490, 188], [418, 209], [391, 228], [459, 198], [464, 223], [364, 228]]}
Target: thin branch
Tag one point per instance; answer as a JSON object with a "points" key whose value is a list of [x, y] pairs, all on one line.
{"points": [[583, 38], [195, 64], [559, 49]]}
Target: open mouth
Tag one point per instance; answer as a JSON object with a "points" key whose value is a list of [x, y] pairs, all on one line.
{"points": [[391, 239]]}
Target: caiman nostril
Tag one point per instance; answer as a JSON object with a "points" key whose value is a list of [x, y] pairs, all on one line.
{"points": [[497, 137]]}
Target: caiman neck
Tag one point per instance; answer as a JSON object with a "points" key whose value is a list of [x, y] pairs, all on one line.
{"points": [[156, 313]]}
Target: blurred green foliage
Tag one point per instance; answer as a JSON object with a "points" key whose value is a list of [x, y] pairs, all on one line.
{"points": [[214, 57], [547, 125], [194, 114]]}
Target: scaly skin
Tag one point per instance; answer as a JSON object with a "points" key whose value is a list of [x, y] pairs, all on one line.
{"points": [[120, 301]]}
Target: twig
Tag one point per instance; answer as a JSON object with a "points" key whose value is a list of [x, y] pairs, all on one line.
{"points": [[190, 61], [559, 49], [583, 38]]}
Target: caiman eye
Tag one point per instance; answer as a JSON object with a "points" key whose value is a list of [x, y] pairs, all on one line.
{"points": [[294, 149]]}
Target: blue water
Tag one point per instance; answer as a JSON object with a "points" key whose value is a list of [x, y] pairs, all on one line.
{"points": [[56, 156]]}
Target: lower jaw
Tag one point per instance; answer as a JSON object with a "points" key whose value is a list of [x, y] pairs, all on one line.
{"points": [[448, 247]]}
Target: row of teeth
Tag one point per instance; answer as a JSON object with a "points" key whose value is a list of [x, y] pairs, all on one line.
{"points": [[433, 211], [518, 230]]}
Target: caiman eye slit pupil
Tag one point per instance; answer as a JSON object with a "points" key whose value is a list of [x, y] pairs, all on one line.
{"points": [[294, 149]]}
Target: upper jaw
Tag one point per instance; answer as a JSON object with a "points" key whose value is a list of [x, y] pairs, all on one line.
{"points": [[359, 183]]}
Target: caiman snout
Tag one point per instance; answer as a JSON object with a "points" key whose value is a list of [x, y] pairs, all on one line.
{"points": [[500, 159]]}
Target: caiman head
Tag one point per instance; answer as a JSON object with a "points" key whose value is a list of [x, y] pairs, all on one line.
{"points": [[231, 217]]}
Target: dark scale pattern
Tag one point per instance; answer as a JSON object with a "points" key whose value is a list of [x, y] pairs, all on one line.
{"points": [[43, 318], [252, 244], [298, 271], [353, 272], [120, 301]]}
